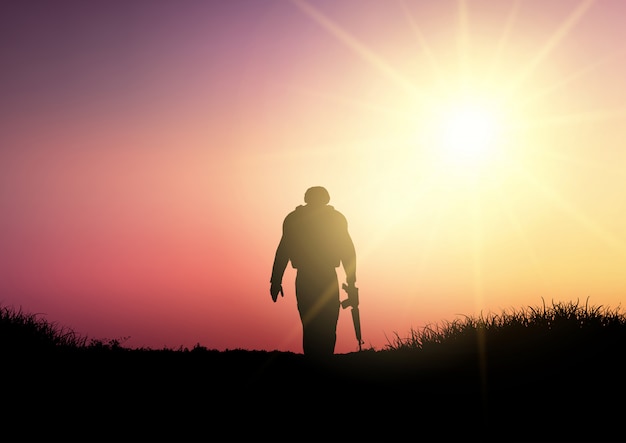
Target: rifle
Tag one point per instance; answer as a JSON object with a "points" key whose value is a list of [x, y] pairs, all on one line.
{"points": [[353, 300]]}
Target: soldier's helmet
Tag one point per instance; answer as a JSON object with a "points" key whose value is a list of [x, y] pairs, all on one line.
{"points": [[317, 195]]}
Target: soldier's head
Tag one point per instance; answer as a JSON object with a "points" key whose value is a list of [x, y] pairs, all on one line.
{"points": [[316, 196]]}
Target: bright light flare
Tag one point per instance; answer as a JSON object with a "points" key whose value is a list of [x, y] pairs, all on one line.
{"points": [[467, 133]]}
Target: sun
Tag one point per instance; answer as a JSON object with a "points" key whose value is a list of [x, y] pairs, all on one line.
{"points": [[466, 133]]}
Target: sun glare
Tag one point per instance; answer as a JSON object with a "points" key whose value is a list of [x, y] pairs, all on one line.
{"points": [[466, 134]]}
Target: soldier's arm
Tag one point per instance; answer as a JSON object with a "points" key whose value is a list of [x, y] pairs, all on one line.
{"points": [[348, 256], [282, 255], [280, 262], [349, 264]]}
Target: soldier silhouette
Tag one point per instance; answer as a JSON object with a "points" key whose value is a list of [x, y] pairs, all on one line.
{"points": [[315, 239]]}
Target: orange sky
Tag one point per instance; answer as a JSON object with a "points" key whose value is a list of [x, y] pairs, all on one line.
{"points": [[150, 151]]}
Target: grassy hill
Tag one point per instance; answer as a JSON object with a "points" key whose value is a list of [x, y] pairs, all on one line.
{"points": [[548, 373]]}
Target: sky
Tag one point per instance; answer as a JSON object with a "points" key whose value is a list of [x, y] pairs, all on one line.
{"points": [[150, 150]]}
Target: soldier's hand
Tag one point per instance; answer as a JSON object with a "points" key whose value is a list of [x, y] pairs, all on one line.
{"points": [[353, 295], [275, 289]]}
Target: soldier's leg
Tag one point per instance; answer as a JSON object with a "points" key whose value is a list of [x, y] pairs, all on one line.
{"points": [[323, 328], [318, 304]]}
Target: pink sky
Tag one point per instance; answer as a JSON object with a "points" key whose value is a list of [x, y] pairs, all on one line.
{"points": [[149, 151]]}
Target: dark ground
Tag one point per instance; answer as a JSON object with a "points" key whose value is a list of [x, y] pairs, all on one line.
{"points": [[550, 395]]}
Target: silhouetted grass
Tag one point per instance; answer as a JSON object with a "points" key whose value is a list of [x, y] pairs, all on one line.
{"points": [[547, 373], [562, 322], [31, 332], [20, 330]]}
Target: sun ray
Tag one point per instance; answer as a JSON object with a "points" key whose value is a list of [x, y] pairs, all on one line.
{"points": [[579, 162], [508, 27], [433, 234], [583, 220], [463, 44], [350, 101], [433, 228], [571, 119], [570, 78], [479, 285], [517, 227], [434, 66], [351, 42], [557, 37], [477, 249]]}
